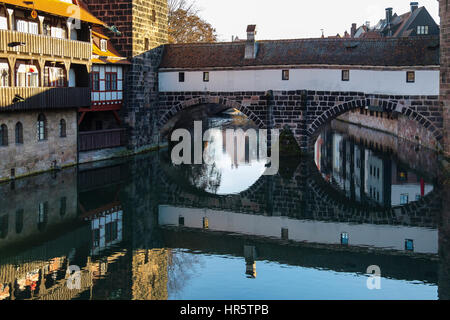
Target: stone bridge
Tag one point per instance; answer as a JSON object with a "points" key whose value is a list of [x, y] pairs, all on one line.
{"points": [[303, 112]]}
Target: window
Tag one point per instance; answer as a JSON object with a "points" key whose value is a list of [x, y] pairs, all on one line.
{"points": [[181, 220], [205, 76], [181, 77], [404, 199], [95, 81], [103, 45], [27, 26], [3, 135], [4, 226], [111, 81], [147, 44], [57, 32], [284, 234], [410, 76], [4, 75], [42, 128], [19, 133], [3, 23], [42, 215], [62, 128], [19, 221], [409, 245], [54, 77], [345, 75], [344, 238], [422, 29], [205, 223], [285, 75], [27, 76], [63, 206]]}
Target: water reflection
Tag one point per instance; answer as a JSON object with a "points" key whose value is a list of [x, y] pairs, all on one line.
{"points": [[367, 170], [140, 228], [231, 171]]}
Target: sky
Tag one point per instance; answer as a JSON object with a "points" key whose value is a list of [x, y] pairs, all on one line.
{"points": [[291, 19]]}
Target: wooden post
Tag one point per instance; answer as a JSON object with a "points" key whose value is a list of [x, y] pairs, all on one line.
{"points": [[41, 24], [10, 19], [12, 70], [41, 62], [67, 65]]}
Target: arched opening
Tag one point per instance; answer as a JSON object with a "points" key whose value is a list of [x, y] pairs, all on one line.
{"points": [[213, 161], [3, 135], [62, 128], [42, 127], [382, 115], [19, 133], [373, 168]]}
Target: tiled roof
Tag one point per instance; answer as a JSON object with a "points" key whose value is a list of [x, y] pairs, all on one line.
{"points": [[57, 7], [417, 51]]}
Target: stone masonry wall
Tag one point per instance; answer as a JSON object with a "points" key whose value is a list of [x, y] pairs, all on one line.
{"points": [[306, 112], [35, 156], [445, 70]]}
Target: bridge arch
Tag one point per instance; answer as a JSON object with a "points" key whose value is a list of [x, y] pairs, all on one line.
{"points": [[387, 105], [224, 104]]}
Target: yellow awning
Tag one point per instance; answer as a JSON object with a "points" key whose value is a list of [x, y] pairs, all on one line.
{"points": [[57, 7]]}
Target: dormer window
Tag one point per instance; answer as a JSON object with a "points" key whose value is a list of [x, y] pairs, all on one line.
{"points": [[103, 45]]}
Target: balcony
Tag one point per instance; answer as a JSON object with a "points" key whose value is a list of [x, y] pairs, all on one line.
{"points": [[44, 98], [45, 45], [102, 139]]}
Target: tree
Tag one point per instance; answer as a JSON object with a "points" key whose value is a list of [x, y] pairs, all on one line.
{"points": [[185, 25]]}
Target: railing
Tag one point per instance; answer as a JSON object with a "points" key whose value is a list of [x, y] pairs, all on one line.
{"points": [[102, 139], [44, 98], [44, 45]]}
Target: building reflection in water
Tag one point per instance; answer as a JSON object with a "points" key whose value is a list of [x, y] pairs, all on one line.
{"points": [[366, 170], [137, 230]]}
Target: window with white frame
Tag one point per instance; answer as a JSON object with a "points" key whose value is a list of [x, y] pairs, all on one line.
{"points": [[422, 29], [57, 32], [103, 45], [3, 23], [27, 26]]}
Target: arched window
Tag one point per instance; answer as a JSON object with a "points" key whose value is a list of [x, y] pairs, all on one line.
{"points": [[19, 133], [3, 135], [42, 128], [62, 128]]}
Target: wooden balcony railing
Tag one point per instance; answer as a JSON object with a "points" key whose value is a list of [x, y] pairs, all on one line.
{"points": [[44, 98], [45, 45], [102, 139]]}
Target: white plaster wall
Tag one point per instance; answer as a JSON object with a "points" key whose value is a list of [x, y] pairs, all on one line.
{"points": [[367, 81], [379, 236]]}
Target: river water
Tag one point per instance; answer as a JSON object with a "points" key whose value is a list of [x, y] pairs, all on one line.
{"points": [[142, 228]]}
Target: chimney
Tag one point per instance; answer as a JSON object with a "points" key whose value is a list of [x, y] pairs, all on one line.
{"points": [[414, 6], [251, 46], [388, 21], [353, 30]]}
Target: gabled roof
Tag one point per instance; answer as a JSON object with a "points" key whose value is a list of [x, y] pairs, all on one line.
{"points": [[395, 52], [111, 56], [58, 8]]}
